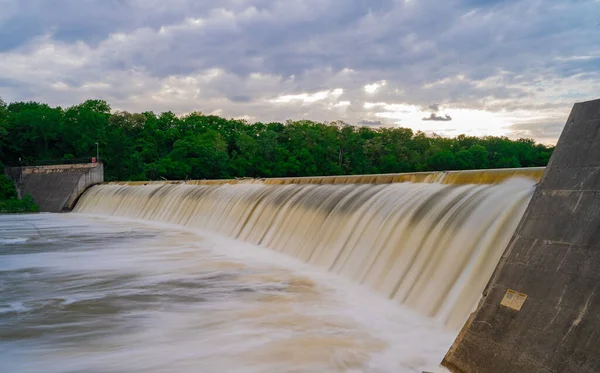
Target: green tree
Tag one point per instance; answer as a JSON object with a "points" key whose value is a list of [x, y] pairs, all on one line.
{"points": [[442, 160], [7, 188], [465, 160], [9, 203], [479, 156], [198, 156], [139, 146], [3, 129]]}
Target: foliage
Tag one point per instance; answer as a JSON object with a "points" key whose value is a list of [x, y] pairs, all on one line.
{"points": [[14, 205], [143, 146], [9, 201], [7, 188]]}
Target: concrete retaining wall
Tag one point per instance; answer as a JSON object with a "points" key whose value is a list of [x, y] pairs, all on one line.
{"points": [[56, 188], [541, 310]]}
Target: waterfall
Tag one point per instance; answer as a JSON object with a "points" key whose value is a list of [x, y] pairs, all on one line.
{"points": [[430, 245]]}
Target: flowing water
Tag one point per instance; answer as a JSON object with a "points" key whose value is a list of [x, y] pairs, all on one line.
{"points": [[429, 246], [252, 276], [92, 294]]}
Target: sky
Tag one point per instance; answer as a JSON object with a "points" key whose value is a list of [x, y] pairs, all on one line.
{"points": [[474, 67]]}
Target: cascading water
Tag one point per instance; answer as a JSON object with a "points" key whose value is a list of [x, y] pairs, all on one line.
{"points": [[430, 246]]}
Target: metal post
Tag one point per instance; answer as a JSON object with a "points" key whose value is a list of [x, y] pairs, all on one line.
{"points": [[97, 153]]}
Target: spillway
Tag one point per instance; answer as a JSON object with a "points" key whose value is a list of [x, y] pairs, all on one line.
{"points": [[431, 245]]}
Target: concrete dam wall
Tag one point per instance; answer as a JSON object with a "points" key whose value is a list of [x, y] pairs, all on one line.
{"points": [[56, 188], [540, 311]]}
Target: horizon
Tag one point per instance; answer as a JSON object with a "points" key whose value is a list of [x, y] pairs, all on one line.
{"points": [[182, 116], [479, 68]]}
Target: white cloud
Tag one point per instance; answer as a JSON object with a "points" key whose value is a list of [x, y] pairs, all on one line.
{"points": [[445, 81], [342, 104], [374, 87], [309, 98]]}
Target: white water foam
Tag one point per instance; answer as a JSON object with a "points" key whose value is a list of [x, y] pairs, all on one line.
{"points": [[12, 241]]}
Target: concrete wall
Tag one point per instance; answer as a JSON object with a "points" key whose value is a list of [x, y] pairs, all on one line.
{"points": [[541, 310], [56, 188]]}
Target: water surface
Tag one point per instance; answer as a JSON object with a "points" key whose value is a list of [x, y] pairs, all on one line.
{"points": [[96, 294]]}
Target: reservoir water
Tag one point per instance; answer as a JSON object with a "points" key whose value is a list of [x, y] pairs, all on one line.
{"points": [[94, 294]]}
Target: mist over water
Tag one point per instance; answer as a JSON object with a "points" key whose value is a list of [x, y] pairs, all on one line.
{"points": [[81, 293]]}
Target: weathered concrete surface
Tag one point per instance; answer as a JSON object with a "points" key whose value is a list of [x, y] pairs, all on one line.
{"points": [[553, 258], [56, 188]]}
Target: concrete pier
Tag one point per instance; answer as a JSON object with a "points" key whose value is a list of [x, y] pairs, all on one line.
{"points": [[56, 188], [541, 309]]}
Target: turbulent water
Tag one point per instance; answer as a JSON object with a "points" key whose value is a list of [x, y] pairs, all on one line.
{"points": [[95, 294], [429, 246]]}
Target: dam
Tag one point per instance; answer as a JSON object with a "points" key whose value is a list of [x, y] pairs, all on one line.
{"points": [[430, 245], [303, 275], [487, 270]]}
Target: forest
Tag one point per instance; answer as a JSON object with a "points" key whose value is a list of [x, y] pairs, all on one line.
{"points": [[148, 146]]}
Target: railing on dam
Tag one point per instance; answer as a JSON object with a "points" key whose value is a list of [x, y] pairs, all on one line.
{"points": [[51, 162]]}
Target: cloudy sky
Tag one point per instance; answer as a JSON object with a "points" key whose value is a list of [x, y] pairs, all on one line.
{"points": [[447, 66]]}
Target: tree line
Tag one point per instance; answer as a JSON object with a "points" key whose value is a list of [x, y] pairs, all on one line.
{"points": [[149, 146]]}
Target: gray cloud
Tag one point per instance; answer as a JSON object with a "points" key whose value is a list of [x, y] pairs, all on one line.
{"points": [[438, 118], [545, 132], [370, 123], [240, 98], [236, 56]]}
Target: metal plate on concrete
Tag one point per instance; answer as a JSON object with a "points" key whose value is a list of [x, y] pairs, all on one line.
{"points": [[513, 299]]}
